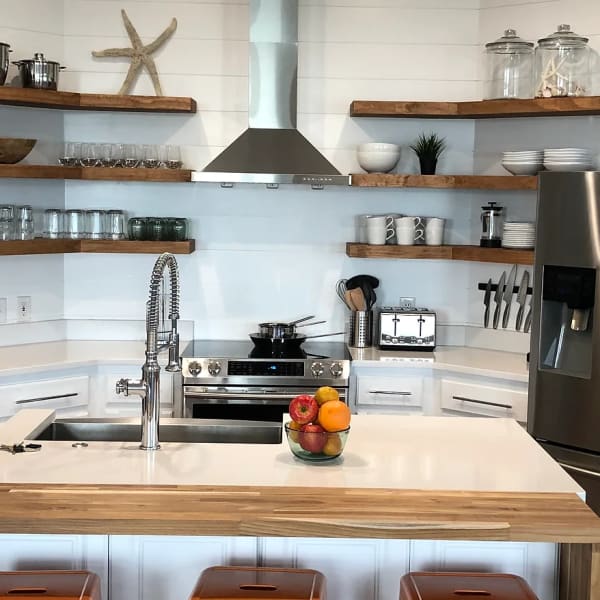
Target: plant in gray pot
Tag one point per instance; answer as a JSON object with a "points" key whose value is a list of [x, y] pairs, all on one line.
{"points": [[429, 148]]}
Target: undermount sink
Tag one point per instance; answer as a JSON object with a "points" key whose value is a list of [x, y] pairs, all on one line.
{"points": [[194, 431]]}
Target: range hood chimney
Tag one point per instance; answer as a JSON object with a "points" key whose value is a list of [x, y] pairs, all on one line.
{"points": [[272, 151]]}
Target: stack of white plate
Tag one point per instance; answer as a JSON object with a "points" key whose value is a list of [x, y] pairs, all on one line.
{"points": [[518, 234], [523, 162], [568, 159]]}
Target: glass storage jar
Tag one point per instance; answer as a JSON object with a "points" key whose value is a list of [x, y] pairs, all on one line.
{"points": [[562, 65], [509, 67]]}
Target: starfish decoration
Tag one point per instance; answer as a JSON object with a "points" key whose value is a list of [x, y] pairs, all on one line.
{"points": [[139, 54]]}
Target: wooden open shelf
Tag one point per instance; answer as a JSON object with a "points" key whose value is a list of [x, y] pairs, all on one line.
{"points": [[94, 173], [480, 109], [468, 253], [74, 101], [464, 182], [46, 246]]}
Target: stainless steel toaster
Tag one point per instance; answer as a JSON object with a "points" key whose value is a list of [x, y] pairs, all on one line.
{"points": [[406, 328]]}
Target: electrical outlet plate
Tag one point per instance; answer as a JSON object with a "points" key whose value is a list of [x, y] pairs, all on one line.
{"points": [[3, 309], [23, 308], [407, 302]]}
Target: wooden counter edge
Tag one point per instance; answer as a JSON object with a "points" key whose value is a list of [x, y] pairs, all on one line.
{"points": [[296, 512]]}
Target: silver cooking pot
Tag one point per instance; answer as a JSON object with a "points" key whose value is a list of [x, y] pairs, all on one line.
{"points": [[4, 51], [284, 330], [39, 72]]}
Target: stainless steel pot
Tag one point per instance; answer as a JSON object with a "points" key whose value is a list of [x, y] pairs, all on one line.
{"points": [[4, 51], [39, 72], [284, 330]]}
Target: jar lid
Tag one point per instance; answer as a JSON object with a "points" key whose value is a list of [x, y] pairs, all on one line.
{"points": [[510, 42], [563, 36]]}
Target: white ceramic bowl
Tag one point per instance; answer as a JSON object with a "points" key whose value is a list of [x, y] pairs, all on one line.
{"points": [[378, 161], [523, 168], [378, 147]]}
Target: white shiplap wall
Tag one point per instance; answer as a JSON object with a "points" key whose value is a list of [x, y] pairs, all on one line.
{"points": [[276, 254]]}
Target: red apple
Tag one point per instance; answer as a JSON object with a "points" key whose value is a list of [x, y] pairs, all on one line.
{"points": [[303, 409], [312, 438]]}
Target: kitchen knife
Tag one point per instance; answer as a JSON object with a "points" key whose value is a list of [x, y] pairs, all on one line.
{"points": [[528, 317], [486, 301], [522, 299], [498, 299], [508, 294]]}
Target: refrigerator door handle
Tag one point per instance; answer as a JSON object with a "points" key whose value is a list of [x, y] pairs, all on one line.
{"points": [[579, 470]]}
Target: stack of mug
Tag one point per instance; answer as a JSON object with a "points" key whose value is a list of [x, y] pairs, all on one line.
{"points": [[403, 230]]}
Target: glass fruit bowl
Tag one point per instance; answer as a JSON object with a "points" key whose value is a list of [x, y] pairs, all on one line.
{"points": [[316, 445]]}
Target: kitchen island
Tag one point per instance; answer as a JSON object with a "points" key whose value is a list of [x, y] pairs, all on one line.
{"points": [[399, 478]]}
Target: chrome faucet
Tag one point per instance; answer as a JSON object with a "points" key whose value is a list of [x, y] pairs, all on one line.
{"points": [[148, 387]]}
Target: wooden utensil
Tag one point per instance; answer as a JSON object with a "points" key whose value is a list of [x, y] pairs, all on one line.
{"points": [[358, 299], [349, 301]]}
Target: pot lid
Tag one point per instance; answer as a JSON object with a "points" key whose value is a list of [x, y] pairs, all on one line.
{"points": [[39, 57], [492, 206], [563, 36], [510, 42]]}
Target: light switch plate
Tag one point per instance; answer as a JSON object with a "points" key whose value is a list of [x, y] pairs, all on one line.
{"points": [[3, 309], [23, 308]]}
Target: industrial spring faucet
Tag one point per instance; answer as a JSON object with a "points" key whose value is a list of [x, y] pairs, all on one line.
{"points": [[148, 387]]}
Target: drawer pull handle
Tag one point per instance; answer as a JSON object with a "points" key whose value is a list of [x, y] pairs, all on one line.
{"points": [[43, 398], [258, 587], [579, 470], [390, 393], [28, 591], [471, 593], [463, 399]]}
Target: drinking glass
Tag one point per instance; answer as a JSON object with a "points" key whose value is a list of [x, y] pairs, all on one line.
{"points": [[137, 228], [89, 155], [75, 224], [154, 229], [131, 157], [96, 228], [53, 223], [7, 222], [106, 155], [71, 154], [150, 157], [118, 155], [179, 229], [173, 157], [24, 229], [115, 225]]}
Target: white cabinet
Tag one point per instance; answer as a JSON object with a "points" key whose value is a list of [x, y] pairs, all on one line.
{"points": [[535, 562], [356, 569], [22, 552], [68, 396], [464, 398], [167, 568]]}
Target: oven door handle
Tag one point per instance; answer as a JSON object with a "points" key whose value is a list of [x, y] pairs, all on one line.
{"points": [[202, 393]]}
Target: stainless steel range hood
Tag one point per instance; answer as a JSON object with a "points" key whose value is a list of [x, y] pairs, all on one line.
{"points": [[272, 150]]}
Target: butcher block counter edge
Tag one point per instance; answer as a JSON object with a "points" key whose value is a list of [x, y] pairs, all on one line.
{"points": [[296, 512]]}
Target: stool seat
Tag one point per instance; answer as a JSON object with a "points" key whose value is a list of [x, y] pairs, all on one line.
{"points": [[259, 583], [58, 585], [424, 585]]}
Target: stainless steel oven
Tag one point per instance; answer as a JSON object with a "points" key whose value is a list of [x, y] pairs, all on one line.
{"points": [[221, 380]]}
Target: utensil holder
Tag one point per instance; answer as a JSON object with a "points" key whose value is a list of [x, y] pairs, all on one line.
{"points": [[361, 329]]}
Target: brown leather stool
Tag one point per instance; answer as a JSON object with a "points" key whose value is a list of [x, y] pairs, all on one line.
{"points": [[259, 583], [59, 585], [464, 586]]}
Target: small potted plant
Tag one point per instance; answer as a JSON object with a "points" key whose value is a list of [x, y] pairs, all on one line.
{"points": [[429, 148]]}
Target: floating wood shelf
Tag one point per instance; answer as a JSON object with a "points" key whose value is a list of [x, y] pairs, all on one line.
{"points": [[75, 101], [94, 173], [480, 109], [467, 253], [46, 246], [465, 182]]}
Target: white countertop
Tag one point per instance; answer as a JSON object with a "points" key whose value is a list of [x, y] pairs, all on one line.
{"points": [[16, 360], [422, 453], [460, 359]]}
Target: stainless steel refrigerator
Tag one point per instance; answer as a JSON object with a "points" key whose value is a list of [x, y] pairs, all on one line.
{"points": [[564, 381]]}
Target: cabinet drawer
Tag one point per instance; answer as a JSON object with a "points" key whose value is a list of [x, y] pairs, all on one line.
{"points": [[390, 391], [482, 400], [67, 396]]}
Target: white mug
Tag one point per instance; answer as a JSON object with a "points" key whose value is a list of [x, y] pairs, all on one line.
{"points": [[434, 231], [379, 230], [410, 230], [361, 228]]}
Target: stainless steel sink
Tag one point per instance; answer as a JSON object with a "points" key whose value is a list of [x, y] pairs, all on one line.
{"points": [[193, 431]]}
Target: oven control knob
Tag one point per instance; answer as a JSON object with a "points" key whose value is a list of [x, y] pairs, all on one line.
{"points": [[317, 369], [336, 369], [195, 368], [214, 367]]}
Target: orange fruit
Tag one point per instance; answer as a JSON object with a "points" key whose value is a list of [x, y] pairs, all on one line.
{"points": [[333, 445], [293, 434], [326, 394], [334, 415]]}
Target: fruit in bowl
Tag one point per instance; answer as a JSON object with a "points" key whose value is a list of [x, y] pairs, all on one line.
{"points": [[323, 436]]}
